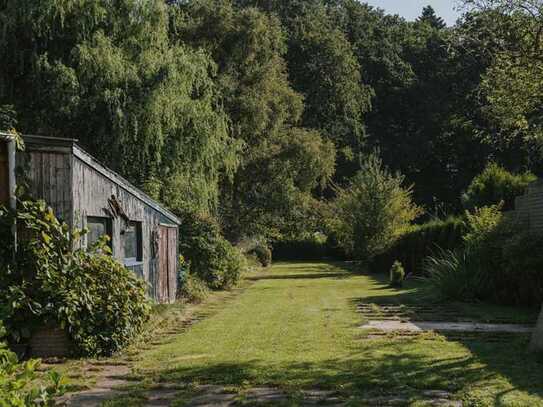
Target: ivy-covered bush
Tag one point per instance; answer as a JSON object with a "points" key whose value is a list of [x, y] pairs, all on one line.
{"points": [[209, 255], [494, 185], [99, 303], [18, 386]]}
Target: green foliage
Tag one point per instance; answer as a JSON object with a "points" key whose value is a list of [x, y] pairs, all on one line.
{"points": [[316, 246], [420, 241], [494, 185], [8, 117], [430, 17], [500, 262], [264, 255], [281, 164], [19, 381], [453, 275], [108, 74], [397, 274], [209, 256], [483, 224], [373, 212], [192, 289], [99, 302]]}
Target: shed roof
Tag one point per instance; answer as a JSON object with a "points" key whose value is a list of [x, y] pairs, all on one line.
{"points": [[71, 146]]}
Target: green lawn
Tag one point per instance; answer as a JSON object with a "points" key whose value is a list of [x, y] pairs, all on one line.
{"points": [[296, 327]]}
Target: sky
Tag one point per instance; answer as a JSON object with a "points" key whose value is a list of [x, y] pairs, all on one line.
{"points": [[411, 9]]}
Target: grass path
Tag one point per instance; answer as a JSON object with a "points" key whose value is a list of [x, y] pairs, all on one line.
{"points": [[296, 328]]}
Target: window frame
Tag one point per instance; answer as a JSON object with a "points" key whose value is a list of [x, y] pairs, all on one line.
{"points": [[138, 260], [108, 227]]}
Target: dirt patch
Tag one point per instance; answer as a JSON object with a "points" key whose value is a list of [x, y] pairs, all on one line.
{"points": [[110, 378]]}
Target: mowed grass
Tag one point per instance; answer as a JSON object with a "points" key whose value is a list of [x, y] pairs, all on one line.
{"points": [[296, 327]]}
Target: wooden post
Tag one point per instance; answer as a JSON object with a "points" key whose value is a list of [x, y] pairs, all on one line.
{"points": [[537, 337], [12, 188]]}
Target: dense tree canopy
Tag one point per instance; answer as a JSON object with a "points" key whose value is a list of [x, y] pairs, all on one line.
{"points": [[254, 112]]}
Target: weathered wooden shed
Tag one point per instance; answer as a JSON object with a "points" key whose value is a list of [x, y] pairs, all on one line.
{"points": [[86, 194]]}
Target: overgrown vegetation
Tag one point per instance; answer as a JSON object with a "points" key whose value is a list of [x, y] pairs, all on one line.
{"points": [[209, 256], [99, 303], [500, 262], [18, 386], [494, 185]]}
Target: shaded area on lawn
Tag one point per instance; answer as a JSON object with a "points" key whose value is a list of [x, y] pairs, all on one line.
{"points": [[305, 336], [388, 372]]}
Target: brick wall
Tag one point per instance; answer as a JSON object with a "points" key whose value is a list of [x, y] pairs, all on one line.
{"points": [[529, 207]]}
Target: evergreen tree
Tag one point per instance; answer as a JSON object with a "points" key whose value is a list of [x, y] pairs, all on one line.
{"points": [[430, 17]]}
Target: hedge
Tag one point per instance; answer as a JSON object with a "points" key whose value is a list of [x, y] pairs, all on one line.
{"points": [[422, 241]]}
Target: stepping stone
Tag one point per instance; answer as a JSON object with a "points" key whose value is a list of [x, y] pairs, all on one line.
{"points": [[412, 326]]}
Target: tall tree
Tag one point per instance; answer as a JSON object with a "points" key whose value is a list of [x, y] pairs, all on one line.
{"points": [[106, 73], [280, 163], [430, 17], [322, 67]]}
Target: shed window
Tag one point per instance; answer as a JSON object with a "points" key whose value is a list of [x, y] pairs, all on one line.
{"points": [[98, 227], [132, 241]]}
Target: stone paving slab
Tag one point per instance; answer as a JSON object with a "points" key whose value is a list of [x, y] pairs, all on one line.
{"points": [[423, 326]]}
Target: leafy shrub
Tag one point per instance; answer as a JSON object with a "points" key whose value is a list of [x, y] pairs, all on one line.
{"points": [[18, 381], [263, 254], [192, 289], [100, 303], [373, 212], [484, 226], [500, 262], [420, 241], [209, 255], [494, 185], [397, 274]]}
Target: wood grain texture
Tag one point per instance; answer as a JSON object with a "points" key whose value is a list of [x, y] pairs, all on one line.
{"points": [[76, 189]]}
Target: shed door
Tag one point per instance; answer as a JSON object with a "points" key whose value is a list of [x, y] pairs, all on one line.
{"points": [[167, 264], [4, 173]]}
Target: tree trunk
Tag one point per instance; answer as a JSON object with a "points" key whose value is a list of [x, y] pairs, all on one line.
{"points": [[537, 339]]}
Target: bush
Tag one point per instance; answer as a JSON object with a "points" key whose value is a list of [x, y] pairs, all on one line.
{"points": [[453, 275], [209, 255], [420, 241], [494, 185], [397, 274], [192, 289], [373, 212], [263, 254], [18, 381], [500, 262], [101, 304]]}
